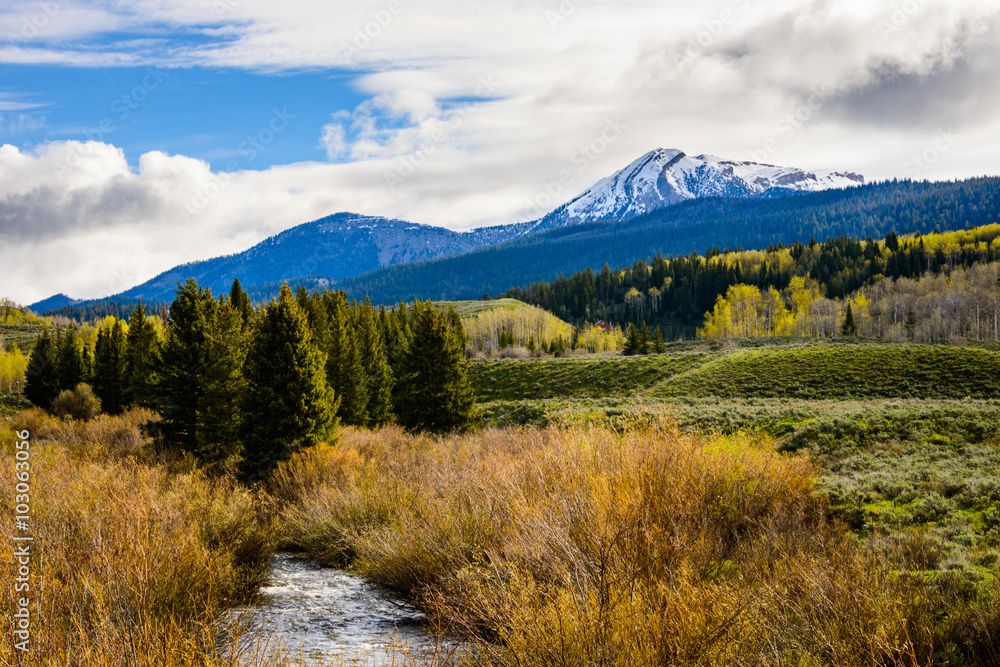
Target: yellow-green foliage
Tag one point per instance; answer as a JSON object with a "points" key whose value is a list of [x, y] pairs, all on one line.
{"points": [[963, 304], [485, 322], [14, 316], [636, 546], [13, 364], [800, 310], [134, 561], [978, 238], [595, 340]]}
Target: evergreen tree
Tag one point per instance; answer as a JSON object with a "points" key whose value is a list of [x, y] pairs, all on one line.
{"points": [[850, 328], [71, 367], [219, 413], [240, 301], [288, 403], [141, 360], [633, 342], [658, 345], [435, 394], [644, 339], [455, 322], [109, 377], [181, 382], [41, 379], [345, 370], [378, 375]]}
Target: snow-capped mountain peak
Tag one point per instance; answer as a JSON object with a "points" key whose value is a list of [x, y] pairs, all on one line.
{"points": [[665, 177]]}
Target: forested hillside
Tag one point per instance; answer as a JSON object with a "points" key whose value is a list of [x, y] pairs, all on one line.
{"points": [[683, 288], [871, 210]]}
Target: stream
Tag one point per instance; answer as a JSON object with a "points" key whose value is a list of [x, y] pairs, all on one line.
{"points": [[316, 615]]}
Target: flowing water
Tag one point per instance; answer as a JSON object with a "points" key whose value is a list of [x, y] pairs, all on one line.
{"points": [[317, 615]]}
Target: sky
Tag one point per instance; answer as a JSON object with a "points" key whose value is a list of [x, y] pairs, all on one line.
{"points": [[136, 135]]}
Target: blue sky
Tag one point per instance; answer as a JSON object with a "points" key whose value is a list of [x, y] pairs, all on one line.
{"points": [[139, 134], [202, 113]]}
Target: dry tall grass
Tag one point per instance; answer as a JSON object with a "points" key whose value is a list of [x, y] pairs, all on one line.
{"points": [[135, 557], [597, 547]]}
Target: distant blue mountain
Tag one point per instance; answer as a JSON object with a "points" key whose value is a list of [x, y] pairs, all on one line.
{"points": [[345, 245], [52, 303], [335, 247]]}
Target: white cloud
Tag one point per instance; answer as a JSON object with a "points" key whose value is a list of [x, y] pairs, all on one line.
{"points": [[474, 109]]}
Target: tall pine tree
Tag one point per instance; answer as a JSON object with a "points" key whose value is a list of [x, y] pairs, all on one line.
{"points": [[434, 391], [109, 377], [141, 360], [71, 365], [378, 374], [288, 403], [41, 384], [185, 362], [344, 368], [220, 413]]}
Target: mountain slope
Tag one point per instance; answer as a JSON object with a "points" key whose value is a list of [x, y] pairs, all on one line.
{"points": [[665, 177], [53, 302], [334, 247], [695, 225]]}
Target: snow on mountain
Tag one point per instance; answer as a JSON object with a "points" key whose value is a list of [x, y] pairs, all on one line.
{"points": [[665, 177]]}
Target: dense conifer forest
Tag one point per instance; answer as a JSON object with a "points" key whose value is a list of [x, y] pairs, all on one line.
{"points": [[237, 385]]}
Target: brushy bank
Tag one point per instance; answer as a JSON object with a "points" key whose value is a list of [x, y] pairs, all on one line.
{"points": [[136, 556], [628, 546]]}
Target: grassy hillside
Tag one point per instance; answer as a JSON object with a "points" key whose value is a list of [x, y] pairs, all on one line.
{"points": [[845, 371], [21, 335], [783, 369], [593, 376]]}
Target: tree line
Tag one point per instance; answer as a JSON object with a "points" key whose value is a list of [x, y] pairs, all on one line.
{"points": [[239, 385], [960, 305], [682, 289]]}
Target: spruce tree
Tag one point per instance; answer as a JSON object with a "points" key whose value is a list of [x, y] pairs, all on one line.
{"points": [[644, 339], [181, 380], [70, 364], [288, 403], [632, 340], [41, 379], [850, 328], [344, 368], [378, 375], [658, 345], [434, 390], [219, 413], [141, 360], [109, 377], [240, 301]]}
